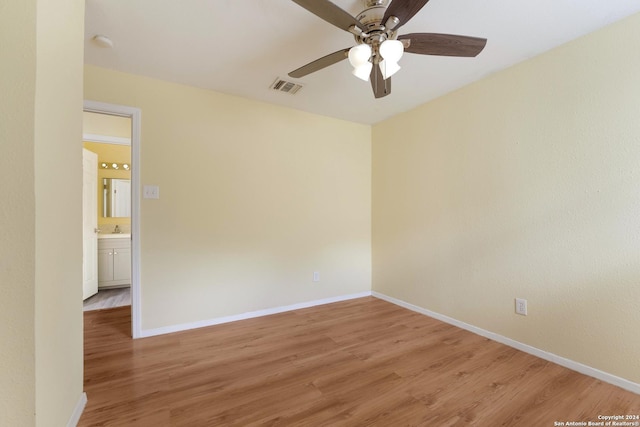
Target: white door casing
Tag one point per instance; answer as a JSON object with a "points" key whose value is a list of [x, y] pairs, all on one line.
{"points": [[135, 114], [89, 223]]}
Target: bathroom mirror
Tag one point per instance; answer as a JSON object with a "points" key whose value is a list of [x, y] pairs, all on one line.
{"points": [[116, 198]]}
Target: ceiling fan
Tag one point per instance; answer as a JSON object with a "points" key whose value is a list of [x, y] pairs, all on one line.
{"points": [[378, 46]]}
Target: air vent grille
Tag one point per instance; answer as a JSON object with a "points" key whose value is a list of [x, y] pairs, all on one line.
{"points": [[285, 86]]}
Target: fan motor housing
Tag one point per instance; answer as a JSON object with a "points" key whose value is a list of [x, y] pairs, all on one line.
{"points": [[371, 3], [371, 17]]}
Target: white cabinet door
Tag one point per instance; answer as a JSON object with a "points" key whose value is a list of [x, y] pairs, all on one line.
{"points": [[122, 264], [105, 265], [114, 262]]}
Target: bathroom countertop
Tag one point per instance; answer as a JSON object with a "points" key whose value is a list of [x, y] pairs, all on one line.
{"points": [[114, 236]]}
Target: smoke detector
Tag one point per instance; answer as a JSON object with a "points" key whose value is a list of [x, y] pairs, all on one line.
{"points": [[102, 41]]}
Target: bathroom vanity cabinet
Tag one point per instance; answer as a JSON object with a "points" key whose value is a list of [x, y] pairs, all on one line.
{"points": [[114, 262]]}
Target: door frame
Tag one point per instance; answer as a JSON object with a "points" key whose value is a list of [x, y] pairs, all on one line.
{"points": [[135, 114]]}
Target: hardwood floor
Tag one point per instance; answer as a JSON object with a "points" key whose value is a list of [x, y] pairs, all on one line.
{"points": [[362, 362]]}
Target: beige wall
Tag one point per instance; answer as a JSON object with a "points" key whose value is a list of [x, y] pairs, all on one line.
{"points": [[524, 185], [253, 199], [17, 213], [40, 242], [58, 191]]}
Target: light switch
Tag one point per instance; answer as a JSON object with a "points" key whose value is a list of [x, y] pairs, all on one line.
{"points": [[151, 192]]}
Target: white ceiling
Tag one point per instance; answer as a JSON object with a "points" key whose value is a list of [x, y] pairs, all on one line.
{"points": [[240, 47]]}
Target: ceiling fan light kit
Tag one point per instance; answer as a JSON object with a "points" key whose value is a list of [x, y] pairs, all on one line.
{"points": [[378, 48], [391, 51], [359, 58], [388, 69]]}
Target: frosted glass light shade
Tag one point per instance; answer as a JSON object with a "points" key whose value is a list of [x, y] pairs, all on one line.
{"points": [[363, 71], [388, 69], [359, 56], [391, 52]]}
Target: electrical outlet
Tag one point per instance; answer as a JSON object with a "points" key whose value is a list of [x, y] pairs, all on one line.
{"points": [[316, 276], [521, 306]]}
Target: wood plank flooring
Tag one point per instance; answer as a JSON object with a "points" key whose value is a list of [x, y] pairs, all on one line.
{"points": [[362, 362], [108, 298]]}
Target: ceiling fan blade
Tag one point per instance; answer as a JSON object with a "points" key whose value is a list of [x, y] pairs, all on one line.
{"points": [[380, 86], [321, 63], [403, 10], [443, 44], [331, 13]]}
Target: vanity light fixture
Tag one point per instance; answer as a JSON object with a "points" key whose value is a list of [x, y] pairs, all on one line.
{"points": [[115, 166]]}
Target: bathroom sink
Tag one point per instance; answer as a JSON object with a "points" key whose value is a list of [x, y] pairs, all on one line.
{"points": [[114, 236]]}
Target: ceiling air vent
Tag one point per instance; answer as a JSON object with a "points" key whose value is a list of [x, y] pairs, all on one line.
{"points": [[285, 86]]}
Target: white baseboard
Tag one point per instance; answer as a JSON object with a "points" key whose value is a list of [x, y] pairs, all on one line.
{"points": [[567, 363], [219, 320], [77, 411]]}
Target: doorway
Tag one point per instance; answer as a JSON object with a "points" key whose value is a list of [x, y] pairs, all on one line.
{"points": [[118, 204]]}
